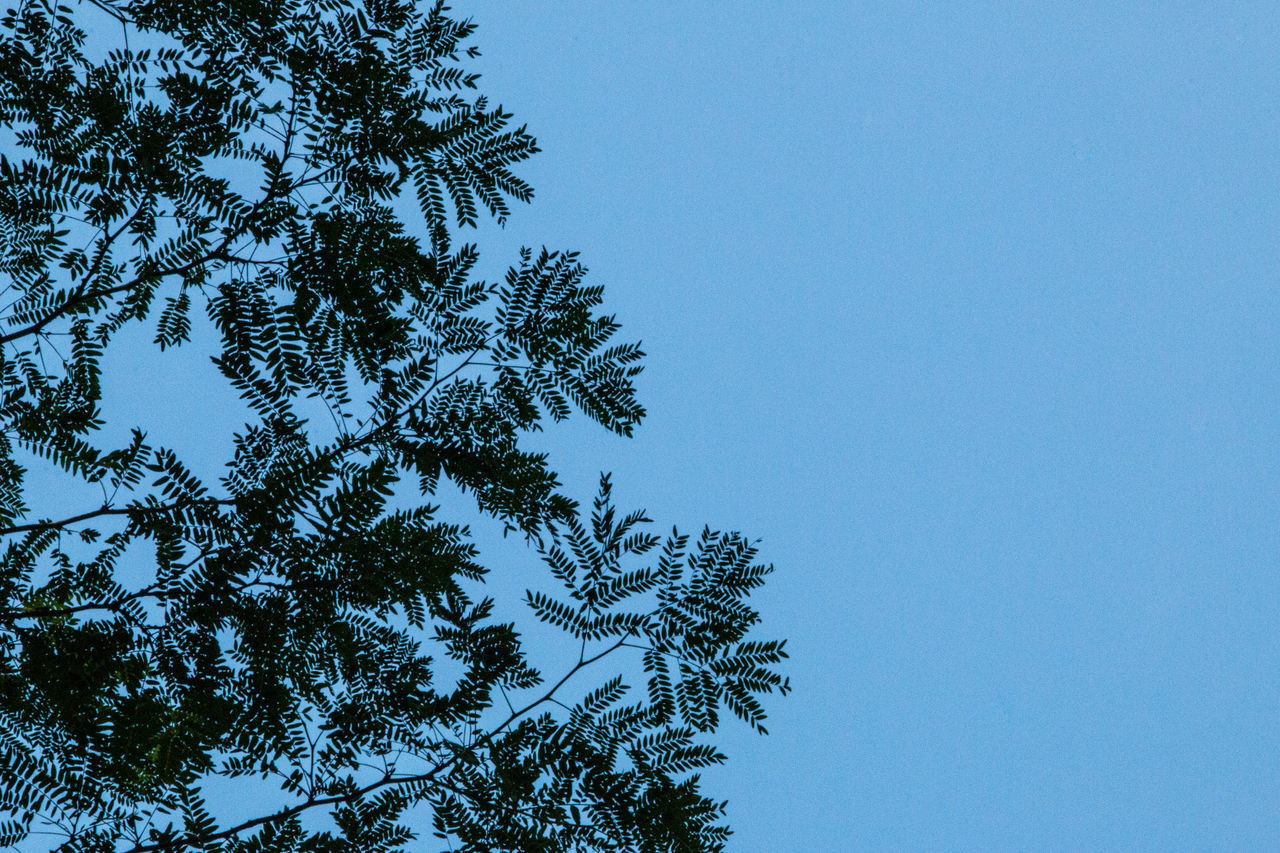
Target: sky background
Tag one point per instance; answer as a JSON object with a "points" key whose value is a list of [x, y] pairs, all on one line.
{"points": [[969, 312]]}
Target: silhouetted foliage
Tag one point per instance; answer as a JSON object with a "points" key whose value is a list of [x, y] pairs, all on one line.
{"points": [[299, 170]]}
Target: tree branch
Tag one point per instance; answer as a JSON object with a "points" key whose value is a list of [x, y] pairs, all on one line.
{"points": [[219, 252], [106, 511], [88, 296], [153, 591], [386, 781]]}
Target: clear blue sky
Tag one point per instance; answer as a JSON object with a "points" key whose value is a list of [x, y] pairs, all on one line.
{"points": [[970, 312]]}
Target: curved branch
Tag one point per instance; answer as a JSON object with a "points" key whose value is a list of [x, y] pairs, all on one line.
{"points": [[155, 592], [108, 510], [219, 252], [88, 296], [386, 781], [51, 525]]}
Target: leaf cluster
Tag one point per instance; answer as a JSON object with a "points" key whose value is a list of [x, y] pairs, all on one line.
{"points": [[288, 180]]}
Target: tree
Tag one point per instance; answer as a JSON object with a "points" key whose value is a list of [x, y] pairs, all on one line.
{"points": [[301, 170]]}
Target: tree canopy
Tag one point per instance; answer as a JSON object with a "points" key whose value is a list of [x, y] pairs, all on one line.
{"points": [[296, 176]]}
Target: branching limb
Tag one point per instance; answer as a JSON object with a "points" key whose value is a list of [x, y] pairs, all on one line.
{"points": [[432, 775], [101, 512]]}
